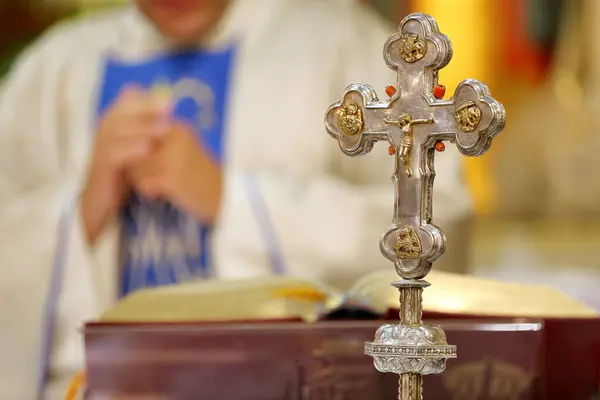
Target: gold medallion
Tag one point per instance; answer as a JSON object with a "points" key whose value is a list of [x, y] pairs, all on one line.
{"points": [[412, 49], [350, 119], [468, 116], [408, 245]]}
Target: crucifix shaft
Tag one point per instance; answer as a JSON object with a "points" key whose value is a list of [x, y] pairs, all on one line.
{"points": [[413, 120]]}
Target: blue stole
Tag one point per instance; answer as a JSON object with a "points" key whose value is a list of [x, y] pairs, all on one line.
{"points": [[162, 244]]}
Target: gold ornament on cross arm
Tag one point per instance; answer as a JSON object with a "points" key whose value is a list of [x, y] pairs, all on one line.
{"points": [[350, 119], [468, 116], [412, 48]]}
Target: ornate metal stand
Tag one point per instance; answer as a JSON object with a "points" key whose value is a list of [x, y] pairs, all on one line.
{"points": [[415, 120]]}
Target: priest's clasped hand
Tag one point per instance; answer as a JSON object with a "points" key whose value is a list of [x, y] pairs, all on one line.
{"points": [[180, 170], [139, 147]]}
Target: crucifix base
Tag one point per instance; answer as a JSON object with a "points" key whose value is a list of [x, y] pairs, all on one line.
{"points": [[410, 349]]}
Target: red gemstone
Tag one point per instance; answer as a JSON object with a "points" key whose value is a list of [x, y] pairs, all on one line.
{"points": [[391, 150], [390, 90], [440, 146], [439, 91]]}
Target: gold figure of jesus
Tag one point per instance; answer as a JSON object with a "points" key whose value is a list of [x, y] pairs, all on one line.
{"points": [[405, 123]]}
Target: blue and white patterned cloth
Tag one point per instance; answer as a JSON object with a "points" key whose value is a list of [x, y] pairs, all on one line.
{"points": [[162, 244]]}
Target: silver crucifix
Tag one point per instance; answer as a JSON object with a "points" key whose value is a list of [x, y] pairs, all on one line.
{"points": [[413, 121]]}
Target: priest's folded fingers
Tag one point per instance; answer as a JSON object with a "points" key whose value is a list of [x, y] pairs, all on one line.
{"points": [[144, 167], [128, 150], [151, 187]]}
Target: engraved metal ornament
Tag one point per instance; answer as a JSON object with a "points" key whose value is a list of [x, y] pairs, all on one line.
{"points": [[412, 121], [468, 116], [408, 245], [350, 119], [403, 349], [410, 349], [412, 48]]}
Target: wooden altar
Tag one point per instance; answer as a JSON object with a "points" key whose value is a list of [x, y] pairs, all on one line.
{"points": [[498, 359]]}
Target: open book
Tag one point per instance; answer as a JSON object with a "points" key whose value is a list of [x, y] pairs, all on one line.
{"points": [[276, 298]]}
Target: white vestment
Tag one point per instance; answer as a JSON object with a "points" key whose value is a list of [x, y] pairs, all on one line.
{"points": [[326, 210]]}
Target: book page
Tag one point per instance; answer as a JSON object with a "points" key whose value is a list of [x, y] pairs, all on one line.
{"points": [[471, 295], [227, 300]]}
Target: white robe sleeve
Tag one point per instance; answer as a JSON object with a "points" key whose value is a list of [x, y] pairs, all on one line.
{"points": [[327, 226], [41, 240]]}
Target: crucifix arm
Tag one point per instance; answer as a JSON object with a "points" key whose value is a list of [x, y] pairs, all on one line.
{"points": [[357, 121]]}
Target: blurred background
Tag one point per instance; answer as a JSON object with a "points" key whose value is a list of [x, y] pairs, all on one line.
{"points": [[536, 192]]}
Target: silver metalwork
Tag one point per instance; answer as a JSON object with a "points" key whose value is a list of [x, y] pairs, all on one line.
{"points": [[470, 119]]}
